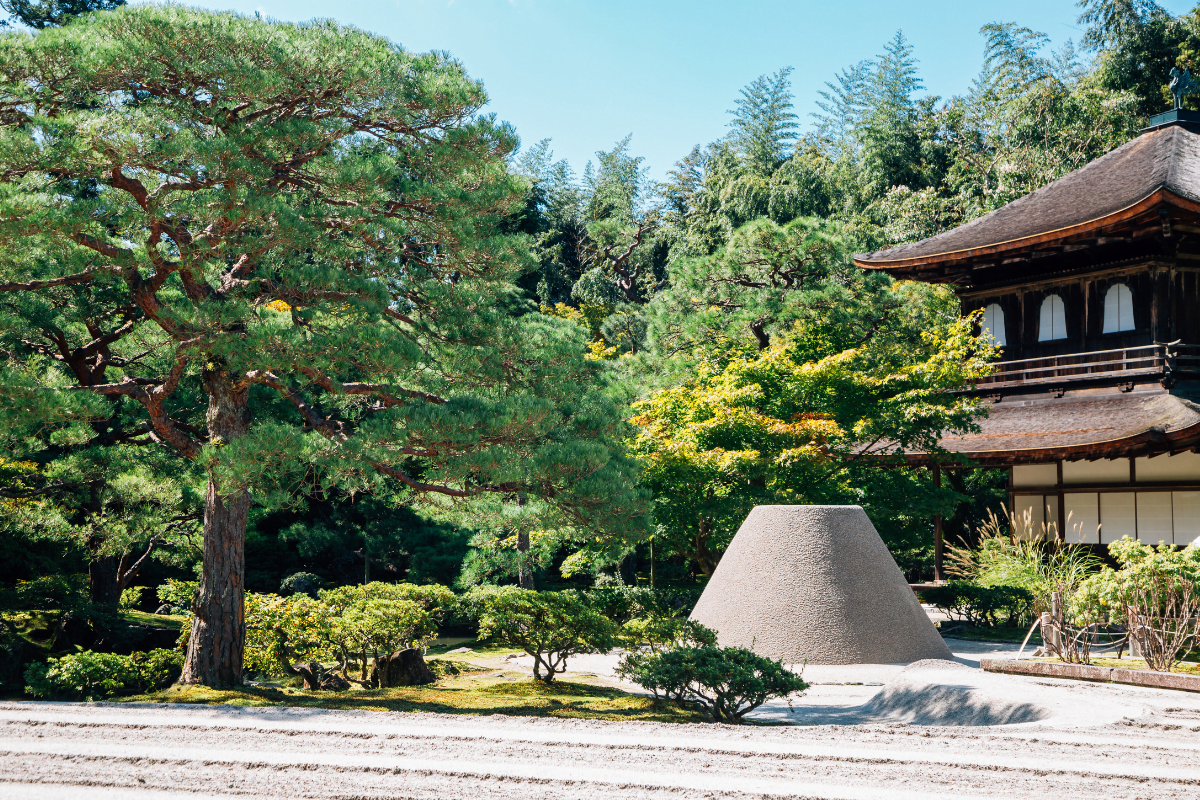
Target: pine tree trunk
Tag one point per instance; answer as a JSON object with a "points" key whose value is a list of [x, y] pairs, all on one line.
{"points": [[214, 656], [524, 571], [105, 582]]}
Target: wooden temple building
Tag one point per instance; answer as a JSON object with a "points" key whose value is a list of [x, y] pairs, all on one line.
{"points": [[1092, 287]]}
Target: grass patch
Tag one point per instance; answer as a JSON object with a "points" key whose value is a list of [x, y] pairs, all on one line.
{"points": [[447, 667], [1184, 667], [36, 628], [474, 694], [485, 649], [998, 634]]}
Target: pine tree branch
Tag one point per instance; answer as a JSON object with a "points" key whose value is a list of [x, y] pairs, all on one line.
{"points": [[66, 280]]}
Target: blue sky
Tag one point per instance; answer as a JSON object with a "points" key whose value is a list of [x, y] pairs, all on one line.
{"points": [[587, 72]]}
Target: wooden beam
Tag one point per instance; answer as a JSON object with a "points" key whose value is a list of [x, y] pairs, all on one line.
{"points": [[939, 547]]}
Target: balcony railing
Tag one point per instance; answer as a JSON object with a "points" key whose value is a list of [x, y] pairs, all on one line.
{"points": [[1160, 360]]}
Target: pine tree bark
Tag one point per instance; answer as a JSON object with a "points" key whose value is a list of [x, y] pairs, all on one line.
{"points": [[105, 581], [217, 643], [524, 571]]}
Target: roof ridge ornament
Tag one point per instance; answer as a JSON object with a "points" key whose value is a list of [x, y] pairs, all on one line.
{"points": [[1181, 84]]}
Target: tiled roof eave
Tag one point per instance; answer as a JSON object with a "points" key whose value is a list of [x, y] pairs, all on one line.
{"points": [[1160, 196]]}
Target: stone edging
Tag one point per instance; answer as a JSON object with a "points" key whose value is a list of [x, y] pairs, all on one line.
{"points": [[1085, 672]]}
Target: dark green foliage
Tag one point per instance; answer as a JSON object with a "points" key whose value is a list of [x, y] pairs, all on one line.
{"points": [[330, 538], [157, 669], [52, 13], [726, 683], [623, 603], [300, 583], [14, 654], [982, 606], [95, 675], [49, 592], [667, 632], [550, 626], [473, 603], [178, 594], [83, 675]]}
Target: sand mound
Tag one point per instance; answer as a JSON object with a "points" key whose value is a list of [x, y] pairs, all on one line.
{"points": [[816, 584]]}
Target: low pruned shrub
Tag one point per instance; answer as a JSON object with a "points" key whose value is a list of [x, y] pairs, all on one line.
{"points": [[982, 606], [726, 683]]}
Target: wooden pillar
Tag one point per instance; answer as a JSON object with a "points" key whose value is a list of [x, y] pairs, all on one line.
{"points": [[1061, 533], [939, 547]]}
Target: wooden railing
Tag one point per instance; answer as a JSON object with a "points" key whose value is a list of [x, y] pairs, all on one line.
{"points": [[1155, 360]]}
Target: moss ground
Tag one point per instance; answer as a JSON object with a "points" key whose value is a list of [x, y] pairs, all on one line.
{"points": [[480, 692], [153, 620]]}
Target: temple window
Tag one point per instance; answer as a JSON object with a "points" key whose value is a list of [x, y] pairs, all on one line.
{"points": [[1118, 309], [993, 323], [1053, 323]]}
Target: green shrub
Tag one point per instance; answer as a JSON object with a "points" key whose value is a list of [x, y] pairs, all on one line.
{"points": [[83, 675], [178, 594], [550, 626], [667, 632], [471, 605], [301, 583], [1155, 595], [97, 675], [157, 669], [48, 593], [982, 606], [382, 618], [1016, 553], [725, 682], [132, 597], [623, 603], [283, 630]]}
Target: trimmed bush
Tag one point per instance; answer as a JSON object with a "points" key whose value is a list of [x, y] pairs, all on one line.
{"points": [[301, 583], [283, 630], [666, 633], [550, 626], [382, 618], [725, 682], [84, 675], [623, 603], [131, 597], [982, 606], [89, 675], [157, 669], [178, 594], [472, 604], [48, 593]]}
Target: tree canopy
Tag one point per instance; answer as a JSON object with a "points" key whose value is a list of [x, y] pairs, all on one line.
{"points": [[303, 227]]}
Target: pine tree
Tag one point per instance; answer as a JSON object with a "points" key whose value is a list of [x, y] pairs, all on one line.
{"points": [[307, 228], [40, 14]]}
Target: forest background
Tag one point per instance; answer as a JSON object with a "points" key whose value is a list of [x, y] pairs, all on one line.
{"points": [[746, 359]]}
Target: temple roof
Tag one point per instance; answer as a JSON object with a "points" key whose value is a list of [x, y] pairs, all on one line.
{"points": [[1160, 167], [1088, 426]]}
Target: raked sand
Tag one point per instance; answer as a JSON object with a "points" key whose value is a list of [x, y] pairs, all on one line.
{"points": [[932, 729]]}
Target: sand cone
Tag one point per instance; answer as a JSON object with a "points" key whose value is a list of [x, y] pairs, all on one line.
{"points": [[816, 583]]}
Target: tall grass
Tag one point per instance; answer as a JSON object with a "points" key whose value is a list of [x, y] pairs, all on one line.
{"points": [[1015, 552]]}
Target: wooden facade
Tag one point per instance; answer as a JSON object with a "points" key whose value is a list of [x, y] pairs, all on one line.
{"points": [[1093, 287]]}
